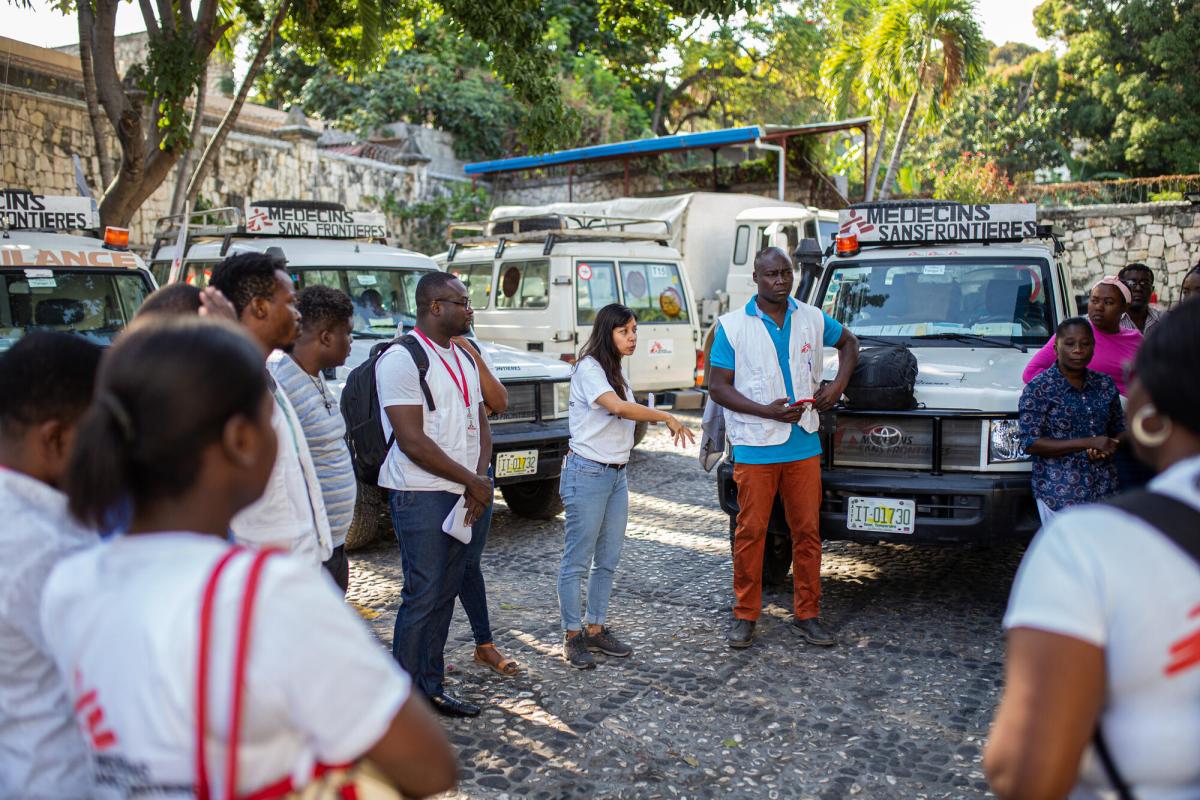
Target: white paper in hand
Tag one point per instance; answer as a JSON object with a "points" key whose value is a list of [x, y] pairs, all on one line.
{"points": [[455, 523]]}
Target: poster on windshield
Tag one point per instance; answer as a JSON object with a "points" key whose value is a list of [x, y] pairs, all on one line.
{"points": [[939, 223], [318, 223], [22, 210]]}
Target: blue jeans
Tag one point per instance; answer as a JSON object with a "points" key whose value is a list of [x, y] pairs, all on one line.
{"points": [[473, 594], [433, 564], [596, 499]]}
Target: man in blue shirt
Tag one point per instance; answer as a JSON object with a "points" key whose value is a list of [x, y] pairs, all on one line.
{"points": [[766, 365]]}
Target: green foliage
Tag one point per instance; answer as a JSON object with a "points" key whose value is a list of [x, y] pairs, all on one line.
{"points": [[169, 77], [1010, 114], [423, 225], [1129, 81], [973, 178]]}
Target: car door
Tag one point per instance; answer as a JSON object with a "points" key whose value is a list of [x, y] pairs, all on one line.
{"points": [[666, 353]]}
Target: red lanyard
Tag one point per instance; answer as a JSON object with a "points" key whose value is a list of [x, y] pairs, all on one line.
{"points": [[466, 392]]}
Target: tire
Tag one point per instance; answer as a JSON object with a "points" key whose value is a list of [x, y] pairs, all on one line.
{"points": [[777, 556], [533, 499], [639, 432], [371, 522]]}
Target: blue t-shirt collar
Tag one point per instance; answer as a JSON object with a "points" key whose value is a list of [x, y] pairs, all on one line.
{"points": [[752, 306]]}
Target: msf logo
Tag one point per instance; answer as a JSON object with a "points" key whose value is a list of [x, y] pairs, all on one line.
{"points": [[855, 225], [91, 718], [260, 221]]}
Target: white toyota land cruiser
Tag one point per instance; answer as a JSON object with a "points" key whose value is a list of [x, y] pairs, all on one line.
{"points": [[972, 291]]}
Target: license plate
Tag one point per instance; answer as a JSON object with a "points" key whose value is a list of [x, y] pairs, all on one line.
{"points": [[516, 462], [880, 514]]}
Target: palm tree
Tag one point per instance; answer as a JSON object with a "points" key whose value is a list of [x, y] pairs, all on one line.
{"points": [[920, 43]]}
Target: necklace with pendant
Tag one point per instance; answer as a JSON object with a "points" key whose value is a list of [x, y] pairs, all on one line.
{"points": [[320, 384]]}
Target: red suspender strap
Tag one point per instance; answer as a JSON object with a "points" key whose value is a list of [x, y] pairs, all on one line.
{"points": [[239, 669], [203, 790], [206, 604]]}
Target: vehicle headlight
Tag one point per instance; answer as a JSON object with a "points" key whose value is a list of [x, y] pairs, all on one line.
{"points": [[1004, 442], [562, 399]]}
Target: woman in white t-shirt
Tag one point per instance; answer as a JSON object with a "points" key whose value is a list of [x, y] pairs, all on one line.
{"points": [[1104, 619], [181, 425], [594, 492]]}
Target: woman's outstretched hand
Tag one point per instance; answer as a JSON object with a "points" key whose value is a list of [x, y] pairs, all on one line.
{"points": [[681, 433]]}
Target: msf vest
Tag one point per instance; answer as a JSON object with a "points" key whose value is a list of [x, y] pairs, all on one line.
{"points": [[757, 374]]}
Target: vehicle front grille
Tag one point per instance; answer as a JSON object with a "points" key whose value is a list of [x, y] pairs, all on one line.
{"points": [[903, 441], [522, 405]]}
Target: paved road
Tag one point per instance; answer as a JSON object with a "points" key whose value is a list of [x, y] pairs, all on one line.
{"points": [[899, 709]]}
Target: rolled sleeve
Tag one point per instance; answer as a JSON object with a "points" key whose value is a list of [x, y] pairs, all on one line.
{"points": [[833, 331]]}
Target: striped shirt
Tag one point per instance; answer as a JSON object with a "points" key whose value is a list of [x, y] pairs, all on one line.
{"points": [[325, 431]]}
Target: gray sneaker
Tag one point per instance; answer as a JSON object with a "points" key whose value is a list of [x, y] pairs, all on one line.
{"points": [[576, 653], [605, 642]]}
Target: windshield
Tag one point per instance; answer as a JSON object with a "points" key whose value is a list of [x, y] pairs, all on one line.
{"points": [[95, 305], [383, 298], [954, 300]]}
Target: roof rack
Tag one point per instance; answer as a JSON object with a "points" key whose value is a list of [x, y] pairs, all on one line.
{"points": [[553, 228], [224, 221]]}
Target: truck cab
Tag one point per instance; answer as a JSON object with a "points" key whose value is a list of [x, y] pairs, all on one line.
{"points": [[54, 278], [972, 292], [537, 282], [326, 245]]}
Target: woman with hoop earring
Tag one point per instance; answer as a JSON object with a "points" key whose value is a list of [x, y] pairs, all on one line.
{"points": [[1102, 681]]}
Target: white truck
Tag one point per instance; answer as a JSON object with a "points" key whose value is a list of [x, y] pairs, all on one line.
{"points": [[326, 245], [972, 291], [51, 279], [712, 231]]}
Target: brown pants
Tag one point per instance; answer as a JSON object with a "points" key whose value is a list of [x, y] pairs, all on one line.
{"points": [[799, 485]]}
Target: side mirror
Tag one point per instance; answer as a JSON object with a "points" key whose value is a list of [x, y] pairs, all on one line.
{"points": [[808, 258]]}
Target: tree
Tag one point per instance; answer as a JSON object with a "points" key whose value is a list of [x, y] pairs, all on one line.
{"points": [[923, 47], [1129, 81]]}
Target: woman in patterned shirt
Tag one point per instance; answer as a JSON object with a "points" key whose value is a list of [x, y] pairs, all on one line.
{"points": [[1070, 420]]}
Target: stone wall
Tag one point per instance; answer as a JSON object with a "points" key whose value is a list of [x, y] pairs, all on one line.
{"points": [[1102, 239], [43, 122]]}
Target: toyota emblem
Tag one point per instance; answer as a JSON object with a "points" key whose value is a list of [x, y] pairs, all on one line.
{"points": [[885, 437]]}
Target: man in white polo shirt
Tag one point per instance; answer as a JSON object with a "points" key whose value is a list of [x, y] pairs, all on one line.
{"points": [[442, 452], [291, 513]]}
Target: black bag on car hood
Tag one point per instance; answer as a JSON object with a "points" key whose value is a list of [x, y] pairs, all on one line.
{"points": [[883, 379]]}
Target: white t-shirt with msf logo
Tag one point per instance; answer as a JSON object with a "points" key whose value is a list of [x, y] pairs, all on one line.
{"points": [[1102, 576], [121, 620]]}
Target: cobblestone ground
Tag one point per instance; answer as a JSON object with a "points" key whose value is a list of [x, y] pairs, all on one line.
{"points": [[900, 708]]}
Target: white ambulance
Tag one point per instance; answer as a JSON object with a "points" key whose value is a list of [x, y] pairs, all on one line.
{"points": [[52, 279], [326, 245]]}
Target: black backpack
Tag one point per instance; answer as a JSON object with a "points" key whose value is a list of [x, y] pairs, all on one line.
{"points": [[884, 379], [360, 407]]}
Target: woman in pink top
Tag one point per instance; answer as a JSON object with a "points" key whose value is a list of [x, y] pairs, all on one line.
{"points": [[1114, 347]]}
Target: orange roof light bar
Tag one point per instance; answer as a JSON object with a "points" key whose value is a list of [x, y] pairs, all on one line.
{"points": [[847, 245], [116, 238]]}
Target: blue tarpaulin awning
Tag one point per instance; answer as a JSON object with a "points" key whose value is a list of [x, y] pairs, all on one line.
{"points": [[636, 147]]}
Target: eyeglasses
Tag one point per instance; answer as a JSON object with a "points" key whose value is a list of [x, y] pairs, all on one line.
{"points": [[1131, 282], [465, 303]]}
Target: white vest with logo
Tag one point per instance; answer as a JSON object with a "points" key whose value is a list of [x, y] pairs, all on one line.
{"points": [[758, 377]]}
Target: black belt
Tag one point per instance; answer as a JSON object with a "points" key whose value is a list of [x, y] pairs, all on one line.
{"points": [[601, 463]]}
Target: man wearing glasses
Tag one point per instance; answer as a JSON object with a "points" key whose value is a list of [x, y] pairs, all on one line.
{"points": [[1141, 315], [442, 453]]}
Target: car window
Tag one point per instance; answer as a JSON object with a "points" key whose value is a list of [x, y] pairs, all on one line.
{"points": [[383, 299], [94, 305], [523, 284], [954, 296], [829, 230], [198, 273], [741, 244], [478, 280], [654, 291], [595, 287]]}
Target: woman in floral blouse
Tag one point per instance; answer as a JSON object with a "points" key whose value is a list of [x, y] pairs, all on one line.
{"points": [[1070, 420]]}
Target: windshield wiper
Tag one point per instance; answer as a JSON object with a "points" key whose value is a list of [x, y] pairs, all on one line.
{"points": [[971, 338]]}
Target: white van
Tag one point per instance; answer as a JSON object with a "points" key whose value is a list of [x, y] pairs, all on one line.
{"points": [[58, 281], [537, 282], [328, 246]]}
